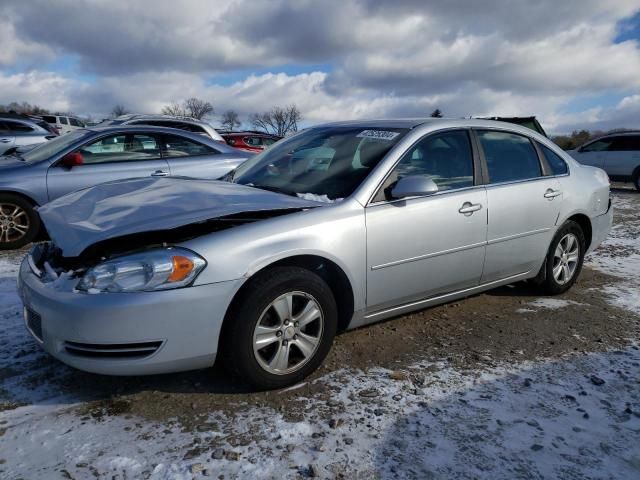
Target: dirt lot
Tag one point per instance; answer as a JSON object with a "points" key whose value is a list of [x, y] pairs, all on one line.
{"points": [[501, 385]]}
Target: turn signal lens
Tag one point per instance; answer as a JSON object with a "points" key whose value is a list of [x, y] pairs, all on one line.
{"points": [[182, 267]]}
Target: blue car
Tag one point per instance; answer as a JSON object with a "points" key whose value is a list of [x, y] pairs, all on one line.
{"points": [[87, 157]]}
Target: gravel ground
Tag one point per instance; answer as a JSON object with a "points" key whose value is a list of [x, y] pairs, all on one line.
{"points": [[501, 385]]}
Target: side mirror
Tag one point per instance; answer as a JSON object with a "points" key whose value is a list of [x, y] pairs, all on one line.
{"points": [[73, 159], [414, 186]]}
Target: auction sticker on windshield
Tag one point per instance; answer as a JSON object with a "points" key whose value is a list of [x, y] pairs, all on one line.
{"points": [[379, 134]]}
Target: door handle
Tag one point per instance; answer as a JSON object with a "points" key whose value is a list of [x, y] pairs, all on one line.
{"points": [[160, 173], [5, 140], [468, 208], [551, 193]]}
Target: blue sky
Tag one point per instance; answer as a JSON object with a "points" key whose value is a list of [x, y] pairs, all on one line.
{"points": [[574, 64]]}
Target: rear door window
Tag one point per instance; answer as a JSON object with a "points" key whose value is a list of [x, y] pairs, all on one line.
{"points": [[63, 120], [253, 141], [510, 157], [175, 146], [626, 143]]}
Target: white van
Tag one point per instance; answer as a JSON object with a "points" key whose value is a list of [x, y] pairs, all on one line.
{"points": [[63, 124]]}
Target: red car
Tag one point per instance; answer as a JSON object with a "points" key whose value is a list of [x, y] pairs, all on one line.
{"points": [[250, 141]]}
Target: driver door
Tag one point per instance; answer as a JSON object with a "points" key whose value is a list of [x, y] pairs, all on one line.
{"points": [[420, 247], [113, 157]]}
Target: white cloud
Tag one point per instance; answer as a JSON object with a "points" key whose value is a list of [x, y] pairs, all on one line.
{"points": [[384, 59]]}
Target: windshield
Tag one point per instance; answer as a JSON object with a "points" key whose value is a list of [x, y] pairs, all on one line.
{"points": [[48, 149], [323, 163]]}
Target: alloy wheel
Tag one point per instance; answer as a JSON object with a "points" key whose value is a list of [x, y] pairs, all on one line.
{"points": [[288, 333], [14, 222], [566, 258]]}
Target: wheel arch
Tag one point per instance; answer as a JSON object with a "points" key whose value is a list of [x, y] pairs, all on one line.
{"points": [[585, 224], [20, 194], [336, 278]]}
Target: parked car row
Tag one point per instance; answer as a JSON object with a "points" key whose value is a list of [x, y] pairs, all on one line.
{"points": [[333, 228]]}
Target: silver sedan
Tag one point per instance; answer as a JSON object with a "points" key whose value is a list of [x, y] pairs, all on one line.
{"points": [[336, 227]]}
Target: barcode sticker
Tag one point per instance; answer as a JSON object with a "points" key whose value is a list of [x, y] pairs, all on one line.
{"points": [[379, 134]]}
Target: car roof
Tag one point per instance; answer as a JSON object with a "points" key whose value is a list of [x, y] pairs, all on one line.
{"points": [[411, 123], [130, 117]]}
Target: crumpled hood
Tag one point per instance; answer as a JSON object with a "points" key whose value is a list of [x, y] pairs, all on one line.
{"points": [[81, 219]]}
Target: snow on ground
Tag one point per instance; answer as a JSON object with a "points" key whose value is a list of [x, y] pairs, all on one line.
{"points": [[573, 417]]}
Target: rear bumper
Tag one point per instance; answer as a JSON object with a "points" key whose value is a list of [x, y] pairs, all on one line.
{"points": [[127, 333], [601, 226]]}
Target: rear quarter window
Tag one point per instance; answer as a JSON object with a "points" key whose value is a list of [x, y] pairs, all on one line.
{"points": [[558, 165]]}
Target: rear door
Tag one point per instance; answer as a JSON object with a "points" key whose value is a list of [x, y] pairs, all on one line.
{"points": [[524, 204], [623, 156], [190, 158], [7, 138], [112, 157]]}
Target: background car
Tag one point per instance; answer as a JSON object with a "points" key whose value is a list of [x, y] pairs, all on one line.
{"points": [[250, 141], [182, 123], [19, 130], [336, 227], [87, 157], [618, 154], [63, 123]]}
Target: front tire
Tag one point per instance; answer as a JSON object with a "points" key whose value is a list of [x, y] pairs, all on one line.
{"points": [[564, 260], [19, 222], [281, 327]]}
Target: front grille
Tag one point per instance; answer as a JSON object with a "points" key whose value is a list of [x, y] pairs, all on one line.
{"points": [[112, 350], [34, 323]]}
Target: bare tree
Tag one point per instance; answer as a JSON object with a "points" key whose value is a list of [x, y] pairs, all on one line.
{"points": [[437, 113], [191, 107], [175, 110], [278, 121], [197, 108], [119, 110], [230, 120]]}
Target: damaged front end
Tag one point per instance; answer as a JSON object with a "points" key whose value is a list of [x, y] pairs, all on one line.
{"points": [[150, 259]]}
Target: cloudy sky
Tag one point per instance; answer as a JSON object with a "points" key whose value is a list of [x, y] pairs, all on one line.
{"points": [[573, 63]]}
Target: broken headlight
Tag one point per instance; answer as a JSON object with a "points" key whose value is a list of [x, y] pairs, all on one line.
{"points": [[160, 269]]}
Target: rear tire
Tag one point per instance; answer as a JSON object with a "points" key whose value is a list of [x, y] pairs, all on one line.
{"points": [[564, 260], [280, 328], [19, 222]]}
